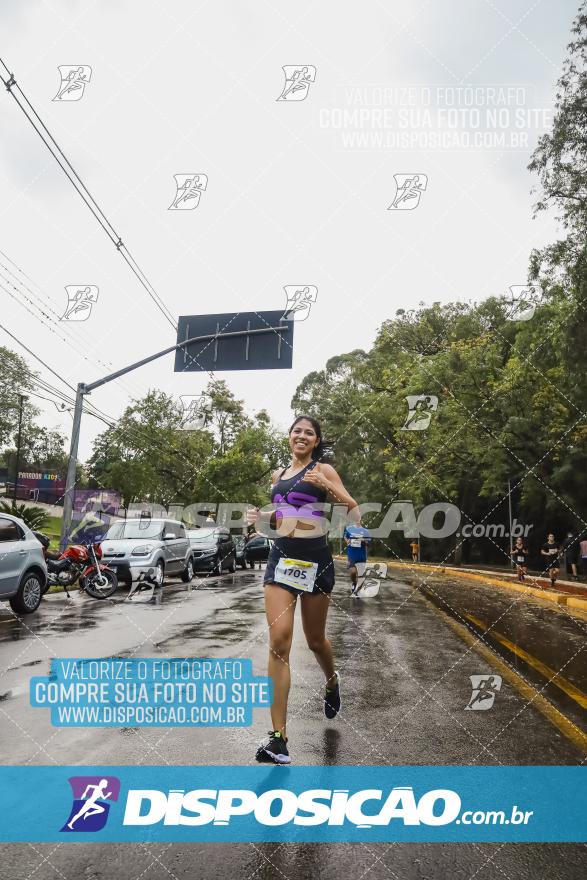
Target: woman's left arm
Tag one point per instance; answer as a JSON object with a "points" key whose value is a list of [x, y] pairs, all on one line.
{"points": [[325, 476]]}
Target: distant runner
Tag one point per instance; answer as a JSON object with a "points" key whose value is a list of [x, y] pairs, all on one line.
{"points": [[583, 554], [571, 555], [414, 548], [357, 540], [550, 552], [520, 558]]}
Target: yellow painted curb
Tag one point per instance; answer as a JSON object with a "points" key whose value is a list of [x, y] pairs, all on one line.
{"points": [[577, 602], [534, 698], [551, 675]]}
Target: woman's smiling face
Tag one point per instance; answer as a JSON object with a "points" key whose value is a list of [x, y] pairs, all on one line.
{"points": [[303, 438]]}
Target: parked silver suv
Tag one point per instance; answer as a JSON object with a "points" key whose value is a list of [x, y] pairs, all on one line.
{"points": [[134, 546], [23, 572]]}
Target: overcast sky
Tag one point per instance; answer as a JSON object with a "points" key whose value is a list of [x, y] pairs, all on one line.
{"points": [[294, 196]]}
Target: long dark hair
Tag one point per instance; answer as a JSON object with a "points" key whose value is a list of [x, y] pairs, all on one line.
{"points": [[320, 449]]}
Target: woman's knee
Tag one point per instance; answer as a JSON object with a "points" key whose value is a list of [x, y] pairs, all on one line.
{"points": [[280, 644], [316, 643]]}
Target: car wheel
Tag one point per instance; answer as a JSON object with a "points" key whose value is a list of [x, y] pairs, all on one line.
{"points": [[159, 573], [251, 563], [217, 567], [188, 574], [232, 566], [30, 592]]}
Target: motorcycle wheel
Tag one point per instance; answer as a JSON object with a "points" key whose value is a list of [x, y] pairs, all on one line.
{"points": [[91, 584]]}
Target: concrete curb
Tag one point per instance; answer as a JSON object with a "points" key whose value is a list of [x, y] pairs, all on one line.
{"points": [[569, 600]]}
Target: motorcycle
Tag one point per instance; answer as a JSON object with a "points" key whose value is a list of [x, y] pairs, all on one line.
{"points": [[78, 562]]}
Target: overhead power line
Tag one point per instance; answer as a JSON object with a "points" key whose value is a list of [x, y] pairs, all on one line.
{"points": [[40, 302], [41, 129], [36, 357]]}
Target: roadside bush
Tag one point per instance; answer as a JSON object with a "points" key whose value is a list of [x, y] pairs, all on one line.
{"points": [[35, 517]]}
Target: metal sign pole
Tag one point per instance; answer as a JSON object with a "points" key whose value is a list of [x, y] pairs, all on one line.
{"points": [[83, 389]]}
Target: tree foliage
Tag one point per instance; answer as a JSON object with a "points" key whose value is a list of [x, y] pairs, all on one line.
{"points": [[512, 395], [148, 456]]}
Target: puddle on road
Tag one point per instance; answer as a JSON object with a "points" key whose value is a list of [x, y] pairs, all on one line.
{"points": [[22, 665]]}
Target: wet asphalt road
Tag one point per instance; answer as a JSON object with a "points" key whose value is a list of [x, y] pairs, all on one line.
{"points": [[405, 676]]}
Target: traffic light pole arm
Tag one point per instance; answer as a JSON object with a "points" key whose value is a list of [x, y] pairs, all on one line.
{"points": [[83, 389], [208, 338]]}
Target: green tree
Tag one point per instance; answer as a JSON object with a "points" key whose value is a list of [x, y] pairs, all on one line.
{"points": [[148, 456], [560, 161], [41, 449], [17, 379]]}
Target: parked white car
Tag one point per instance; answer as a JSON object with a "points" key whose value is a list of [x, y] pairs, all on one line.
{"points": [[23, 572]]}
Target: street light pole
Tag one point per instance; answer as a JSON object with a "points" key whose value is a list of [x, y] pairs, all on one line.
{"points": [[83, 389], [72, 465], [22, 399], [510, 516]]}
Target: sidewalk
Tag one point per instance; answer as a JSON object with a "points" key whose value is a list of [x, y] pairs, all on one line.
{"points": [[569, 593], [533, 578]]}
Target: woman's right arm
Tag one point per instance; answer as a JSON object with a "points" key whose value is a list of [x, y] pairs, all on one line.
{"points": [[257, 517]]}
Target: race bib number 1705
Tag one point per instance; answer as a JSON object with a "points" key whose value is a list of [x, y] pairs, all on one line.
{"points": [[296, 573]]}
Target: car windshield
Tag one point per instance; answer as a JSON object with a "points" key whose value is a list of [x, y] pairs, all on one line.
{"points": [[136, 529], [257, 542], [203, 536]]}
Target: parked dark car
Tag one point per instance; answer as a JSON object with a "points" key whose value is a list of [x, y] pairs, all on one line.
{"points": [[239, 546], [213, 549], [256, 549]]}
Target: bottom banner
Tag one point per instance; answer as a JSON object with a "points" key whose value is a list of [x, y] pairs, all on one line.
{"points": [[317, 804]]}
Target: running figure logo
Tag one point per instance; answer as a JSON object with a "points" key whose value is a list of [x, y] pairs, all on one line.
{"points": [[409, 191], [522, 302], [297, 82], [196, 413], [189, 188], [420, 410], [90, 808], [484, 687], [74, 79], [299, 301], [80, 299]]}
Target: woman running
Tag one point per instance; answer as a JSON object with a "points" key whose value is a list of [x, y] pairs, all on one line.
{"points": [[300, 564], [520, 557]]}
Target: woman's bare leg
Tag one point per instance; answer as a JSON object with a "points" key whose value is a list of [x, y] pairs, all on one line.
{"points": [[280, 606], [314, 612]]}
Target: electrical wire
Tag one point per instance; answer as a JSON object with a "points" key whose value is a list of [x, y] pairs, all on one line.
{"points": [[82, 190], [72, 339]]}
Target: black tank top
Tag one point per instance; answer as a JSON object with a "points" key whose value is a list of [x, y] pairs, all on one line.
{"points": [[291, 494]]}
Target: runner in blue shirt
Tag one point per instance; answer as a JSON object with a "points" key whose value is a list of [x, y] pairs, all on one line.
{"points": [[356, 538]]}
